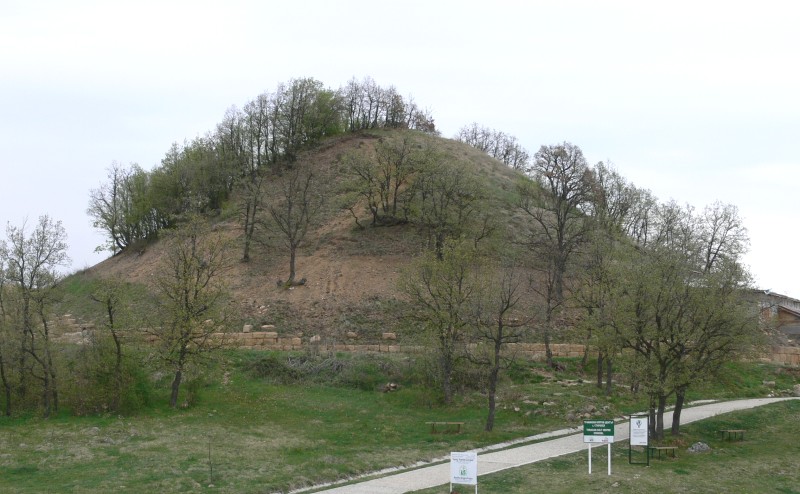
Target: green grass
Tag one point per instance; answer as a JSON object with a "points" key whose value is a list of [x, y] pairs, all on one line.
{"points": [[269, 431], [766, 461]]}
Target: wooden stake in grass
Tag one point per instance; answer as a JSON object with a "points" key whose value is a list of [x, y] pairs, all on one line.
{"points": [[210, 464]]}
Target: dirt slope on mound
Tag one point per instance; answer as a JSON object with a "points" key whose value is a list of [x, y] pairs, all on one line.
{"points": [[351, 273]]}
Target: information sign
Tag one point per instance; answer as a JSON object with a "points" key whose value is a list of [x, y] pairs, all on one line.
{"points": [[598, 431], [639, 431], [464, 468]]}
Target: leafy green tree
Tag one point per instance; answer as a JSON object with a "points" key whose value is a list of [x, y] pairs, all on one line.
{"points": [[612, 199], [444, 289], [107, 206], [384, 180], [498, 322], [32, 261], [555, 201], [682, 315], [450, 204], [192, 298], [303, 112], [5, 340], [111, 294], [123, 209]]}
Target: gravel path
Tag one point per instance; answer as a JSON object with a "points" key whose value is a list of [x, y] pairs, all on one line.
{"points": [[489, 462]]}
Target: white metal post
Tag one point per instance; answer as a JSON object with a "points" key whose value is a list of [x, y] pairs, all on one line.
{"points": [[590, 458], [609, 458]]}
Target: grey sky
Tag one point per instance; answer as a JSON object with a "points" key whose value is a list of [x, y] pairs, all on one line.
{"points": [[697, 101]]}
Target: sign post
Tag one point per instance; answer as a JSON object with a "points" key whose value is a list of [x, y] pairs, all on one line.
{"points": [[598, 431], [639, 437], [464, 469]]}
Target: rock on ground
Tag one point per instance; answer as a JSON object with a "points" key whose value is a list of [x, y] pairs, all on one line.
{"points": [[699, 448]]}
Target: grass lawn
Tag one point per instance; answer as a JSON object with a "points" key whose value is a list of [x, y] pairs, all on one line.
{"points": [[767, 461], [247, 434]]}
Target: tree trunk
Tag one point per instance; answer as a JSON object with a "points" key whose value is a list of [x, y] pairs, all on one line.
{"points": [[292, 264], [585, 358], [48, 370], [492, 398], [447, 386], [176, 383], [53, 382], [493, 378], [46, 394], [6, 386], [609, 375], [117, 371], [662, 404], [548, 323], [547, 350], [248, 232], [680, 396], [599, 369]]}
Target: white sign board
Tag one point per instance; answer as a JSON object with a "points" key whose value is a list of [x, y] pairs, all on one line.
{"points": [[639, 431], [464, 468]]}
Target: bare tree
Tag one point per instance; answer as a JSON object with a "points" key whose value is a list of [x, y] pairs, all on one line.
{"points": [[253, 193], [723, 234], [498, 323], [496, 144], [296, 203]]}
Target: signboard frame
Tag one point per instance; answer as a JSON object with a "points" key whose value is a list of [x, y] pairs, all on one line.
{"points": [[598, 432], [639, 436]]}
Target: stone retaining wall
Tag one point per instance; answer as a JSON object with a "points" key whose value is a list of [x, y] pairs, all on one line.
{"points": [[70, 330], [269, 340], [786, 355]]}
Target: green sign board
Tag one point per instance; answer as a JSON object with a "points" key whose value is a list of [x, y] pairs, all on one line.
{"points": [[598, 431]]}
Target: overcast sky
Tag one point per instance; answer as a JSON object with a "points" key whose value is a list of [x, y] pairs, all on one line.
{"points": [[696, 101]]}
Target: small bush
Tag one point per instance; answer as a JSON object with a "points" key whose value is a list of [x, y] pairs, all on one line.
{"points": [[364, 372], [94, 387]]}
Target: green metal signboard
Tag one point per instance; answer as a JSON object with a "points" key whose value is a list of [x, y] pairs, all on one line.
{"points": [[598, 431]]}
